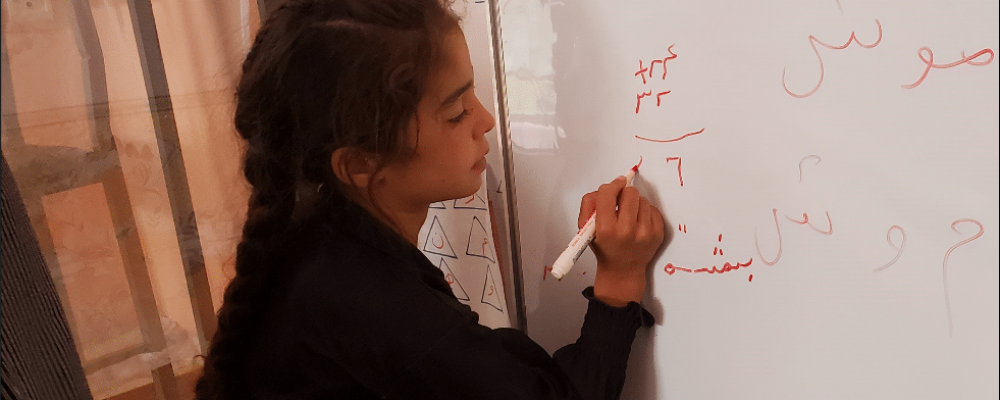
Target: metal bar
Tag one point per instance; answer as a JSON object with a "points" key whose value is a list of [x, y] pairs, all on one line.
{"points": [[116, 195], [11, 124], [112, 358], [172, 162], [505, 145], [165, 382], [133, 261], [96, 87]]}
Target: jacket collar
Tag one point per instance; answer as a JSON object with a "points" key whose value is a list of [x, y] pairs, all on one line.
{"points": [[349, 218]]}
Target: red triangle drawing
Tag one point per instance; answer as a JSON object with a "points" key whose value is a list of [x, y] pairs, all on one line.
{"points": [[449, 277], [480, 244], [437, 242], [475, 202], [491, 292]]}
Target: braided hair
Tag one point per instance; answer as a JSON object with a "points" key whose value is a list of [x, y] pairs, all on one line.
{"points": [[321, 75]]}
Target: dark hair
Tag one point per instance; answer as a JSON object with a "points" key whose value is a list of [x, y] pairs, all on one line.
{"points": [[321, 75]]}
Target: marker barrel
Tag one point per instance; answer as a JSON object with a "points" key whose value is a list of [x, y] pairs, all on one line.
{"points": [[582, 239], [575, 248]]}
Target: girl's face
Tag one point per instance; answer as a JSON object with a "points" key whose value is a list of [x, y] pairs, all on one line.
{"points": [[451, 145]]}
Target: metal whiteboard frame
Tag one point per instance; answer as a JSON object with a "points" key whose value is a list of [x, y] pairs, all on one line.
{"points": [[503, 130]]}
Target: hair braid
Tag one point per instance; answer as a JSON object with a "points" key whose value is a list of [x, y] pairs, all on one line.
{"points": [[268, 214], [320, 75]]}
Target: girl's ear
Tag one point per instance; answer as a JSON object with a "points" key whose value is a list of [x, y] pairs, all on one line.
{"points": [[353, 167]]}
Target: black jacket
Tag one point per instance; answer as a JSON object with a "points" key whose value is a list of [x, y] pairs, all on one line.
{"points": [[364, 315]]}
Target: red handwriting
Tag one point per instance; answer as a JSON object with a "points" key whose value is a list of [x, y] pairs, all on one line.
{"points": [[658, 97], [756, 243], [450, 279], [806, 158], [670, 57], [805, 221], [680, 175], [899, 249], [813, 41], [677, 139], [485, 242], [777, 227], [491, 291], [643, 71], [944, 264], [435, 244], [671, 269], [638, 99], [927, 56], [545, 271]]}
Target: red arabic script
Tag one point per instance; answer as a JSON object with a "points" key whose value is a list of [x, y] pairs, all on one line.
{"points": [[944, 264], [671, 269], [813, 41], [927, 56]]}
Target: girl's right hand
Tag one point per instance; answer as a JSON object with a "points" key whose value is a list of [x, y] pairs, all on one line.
{"points": [[629, 232]]}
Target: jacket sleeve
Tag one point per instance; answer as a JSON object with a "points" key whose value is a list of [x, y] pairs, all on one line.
{"points": [[596, 362], [409, 341]]}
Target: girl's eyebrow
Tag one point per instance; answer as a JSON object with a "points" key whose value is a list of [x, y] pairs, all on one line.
{"points": [[454, 96]]}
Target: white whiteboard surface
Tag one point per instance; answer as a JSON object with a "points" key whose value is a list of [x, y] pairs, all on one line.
{"points": [[883, 299]]}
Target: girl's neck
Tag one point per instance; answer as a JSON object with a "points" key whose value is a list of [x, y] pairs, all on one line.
{"points": [[405, 219]]}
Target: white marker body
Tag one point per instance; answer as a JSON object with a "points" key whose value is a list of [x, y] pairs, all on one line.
{"points": [[582, 239], [576, 247]]}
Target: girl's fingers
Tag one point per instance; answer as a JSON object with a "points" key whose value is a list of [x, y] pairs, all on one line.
{"points": [[607, 200], [587, 206], [628, 210], [658, 222], [644, 217]]}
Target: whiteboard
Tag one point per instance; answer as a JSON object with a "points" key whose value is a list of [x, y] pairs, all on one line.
{"points": [[828, 169]]}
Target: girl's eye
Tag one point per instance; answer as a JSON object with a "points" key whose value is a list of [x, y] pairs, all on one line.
{"points": [[460, 117]]}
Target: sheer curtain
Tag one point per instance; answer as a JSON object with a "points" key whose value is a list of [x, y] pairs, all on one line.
{"points": [[117, 125]]}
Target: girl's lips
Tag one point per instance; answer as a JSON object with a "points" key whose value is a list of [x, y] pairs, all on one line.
{"points": [[480, 165]]}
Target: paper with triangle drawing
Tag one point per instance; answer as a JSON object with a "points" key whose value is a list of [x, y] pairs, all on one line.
{"points": [[480, 243], [444, 232], [491, 292], [456, 286], [474, 202], [436, 241]]}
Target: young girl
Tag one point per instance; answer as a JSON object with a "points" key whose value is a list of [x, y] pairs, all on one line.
{"points": [[357, 115]]}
